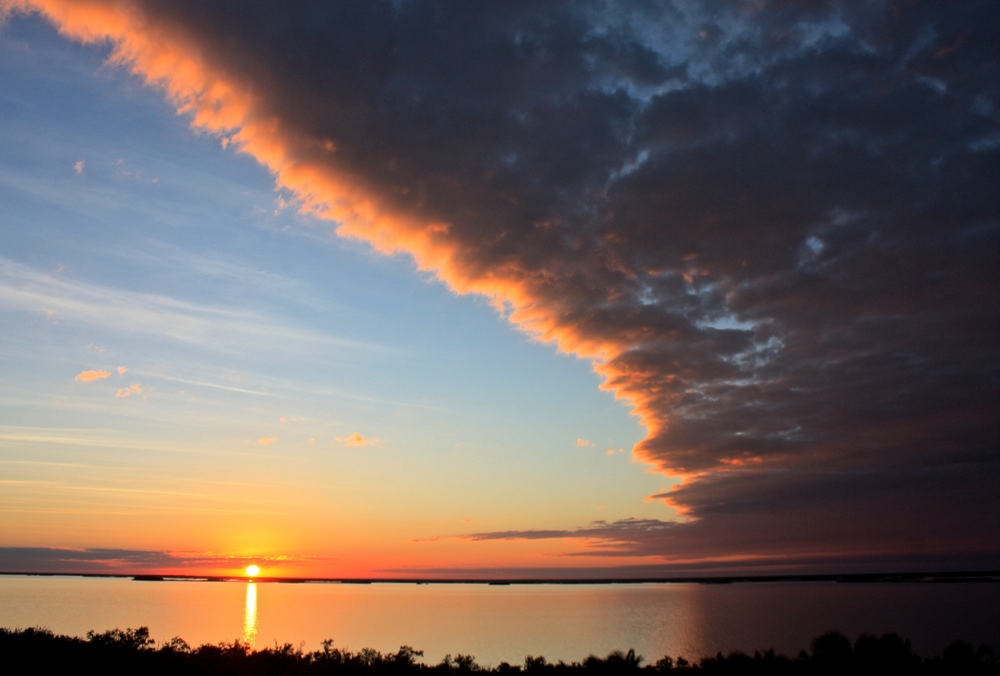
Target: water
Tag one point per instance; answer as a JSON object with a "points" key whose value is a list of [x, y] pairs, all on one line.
{"points": [[560, 622]]}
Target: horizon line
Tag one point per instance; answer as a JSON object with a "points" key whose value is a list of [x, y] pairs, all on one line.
{"points": [[926, 577]]}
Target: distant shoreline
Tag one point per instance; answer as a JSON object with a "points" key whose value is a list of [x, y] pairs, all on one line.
{"points": [[989, 576]]}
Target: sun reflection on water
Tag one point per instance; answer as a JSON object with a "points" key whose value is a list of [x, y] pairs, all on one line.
{"points": [[250, 616]]}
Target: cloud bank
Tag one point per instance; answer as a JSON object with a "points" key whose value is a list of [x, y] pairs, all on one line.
{"points": [[770, 225], [123, 561]]}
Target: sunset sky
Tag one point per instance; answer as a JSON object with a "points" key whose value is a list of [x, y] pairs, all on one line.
{"points": [[454, 289]]}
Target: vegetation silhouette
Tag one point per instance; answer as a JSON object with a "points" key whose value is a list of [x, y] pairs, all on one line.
{"points": [[133, 651]]}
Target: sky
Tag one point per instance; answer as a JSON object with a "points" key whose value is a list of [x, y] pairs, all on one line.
{"points": [[447, 289]]}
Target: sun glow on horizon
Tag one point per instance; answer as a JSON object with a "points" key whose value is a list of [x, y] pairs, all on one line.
{"points": [[253, 570]]}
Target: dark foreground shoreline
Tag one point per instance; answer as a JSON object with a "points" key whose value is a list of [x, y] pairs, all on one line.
{"points": [[847, 578], [133, 651]]}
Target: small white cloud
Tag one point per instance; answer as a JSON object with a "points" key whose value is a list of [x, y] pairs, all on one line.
{"points": [[78, 167], [584, 442]]}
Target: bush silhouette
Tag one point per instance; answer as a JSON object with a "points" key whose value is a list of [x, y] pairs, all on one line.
{"points": [[832, 651], [133, 651]]}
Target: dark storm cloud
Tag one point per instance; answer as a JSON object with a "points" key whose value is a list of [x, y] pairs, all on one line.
{"points": [[762, 566], [773, 226]]}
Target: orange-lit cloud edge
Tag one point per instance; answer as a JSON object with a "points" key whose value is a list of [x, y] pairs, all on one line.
{"points": [[220, 103]]}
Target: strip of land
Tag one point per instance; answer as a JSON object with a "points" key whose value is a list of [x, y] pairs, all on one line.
{"points": [[851, 578]]}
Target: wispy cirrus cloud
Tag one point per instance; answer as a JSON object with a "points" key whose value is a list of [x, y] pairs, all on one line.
{"points": [[25, 289], [99, 438], [770, 227]]}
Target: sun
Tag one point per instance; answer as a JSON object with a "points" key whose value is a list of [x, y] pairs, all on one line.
{"points": [[253, 570]]}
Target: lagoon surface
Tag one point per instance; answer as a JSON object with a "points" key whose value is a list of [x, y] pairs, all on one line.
{"points": [[506, 623]]}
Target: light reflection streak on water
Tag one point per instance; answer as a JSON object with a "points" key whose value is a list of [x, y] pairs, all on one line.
{"points": [[250, 616]]}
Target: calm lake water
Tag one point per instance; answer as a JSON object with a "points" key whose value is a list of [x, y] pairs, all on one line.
{"points": [[506, 623]]}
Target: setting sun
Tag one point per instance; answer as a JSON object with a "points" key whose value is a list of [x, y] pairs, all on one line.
{"points": [[253, 570]]}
